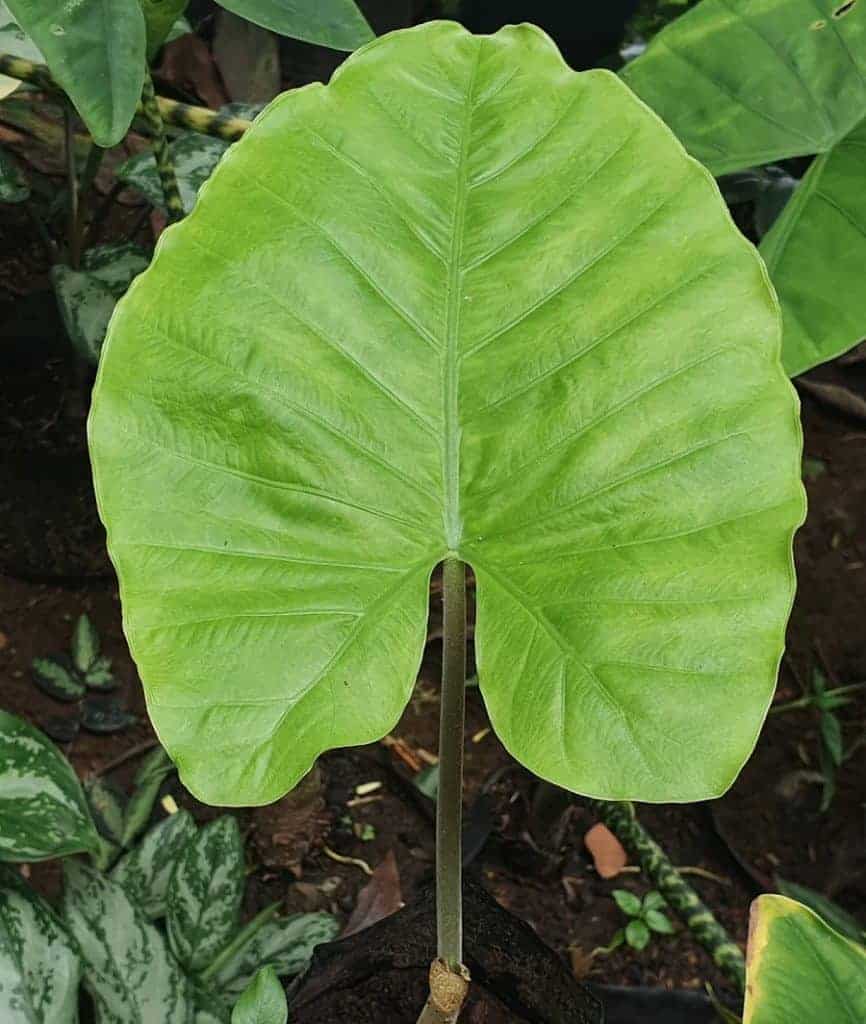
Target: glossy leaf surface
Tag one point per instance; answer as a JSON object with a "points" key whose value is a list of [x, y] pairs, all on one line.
{"points": [[127, 968], [263, 1001], [746, 82], [205, 892], [145, 872], [96, 54], [337, 24], [43, 812], [461, 300], [816, 252], [799, 969], [39, 966]]}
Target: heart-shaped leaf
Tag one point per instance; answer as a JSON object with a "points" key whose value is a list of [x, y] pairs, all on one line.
{"points": [[204, 896], [746, 82], [461, 302], [337, 24], [816, 252], [799, 969], [284, 943], [97, 56], [39, 966], [145, 872], [263, 1001], [127, 968], [43, 812]]}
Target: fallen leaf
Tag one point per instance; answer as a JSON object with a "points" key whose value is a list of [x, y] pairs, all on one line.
{"points": [[607, 853], [188, 66], [379, 898], [581, 962]]}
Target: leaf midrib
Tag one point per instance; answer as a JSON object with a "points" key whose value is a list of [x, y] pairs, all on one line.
{"points": [[453, 524]]}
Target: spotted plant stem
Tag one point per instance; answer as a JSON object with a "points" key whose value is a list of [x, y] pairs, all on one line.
{"points": [[164, 162], [620, 818]]}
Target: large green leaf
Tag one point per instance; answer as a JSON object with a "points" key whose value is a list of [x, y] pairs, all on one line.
{"points": [[800, 970], [816, 252], [43, 812], [39, 966], [334, 23], [127, 968], [205, 893], [263, 1001], [746, 82], [284, 943], [460, 301], [145, 872], [96, 53]]}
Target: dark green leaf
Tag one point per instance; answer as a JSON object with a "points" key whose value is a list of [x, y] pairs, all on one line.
{"points": [[815, 252], [61, 728], [97, 59], [337, 24], [831, 736], [14, 187], [104, 715], [747, 82], [263, 1001], [627, 902], [85, 644], [127, 968], [544, 372], [637, 935], [427, 780], [39, 966], [286, 944], [160, 17], [154, 770], [108, 805], [778, 189], [194, 155], [106, 854], [56, 677], [204, 896], [657, 922], [837, 917], [42, 808], [145, 872]]}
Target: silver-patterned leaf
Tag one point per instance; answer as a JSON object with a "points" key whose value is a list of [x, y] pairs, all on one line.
{"points": [[263, 1001], [87, 296], [194, 155], [56, 677], [286, 944], [204, 896], [99, 676], [85, 644], [43, 812], [128, 970], [145, 872], [39, 965]]}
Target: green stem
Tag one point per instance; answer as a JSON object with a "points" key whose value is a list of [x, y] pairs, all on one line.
{"points": [[73, 232], [620, 819], [164, 162], [449, 804], [810, 700]]}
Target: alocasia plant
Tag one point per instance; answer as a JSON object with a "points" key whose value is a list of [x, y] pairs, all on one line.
{"points": [[461, 305]]}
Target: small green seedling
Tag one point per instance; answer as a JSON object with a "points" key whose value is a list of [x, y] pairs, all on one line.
{"points": [[645, 917], [71, 677]]}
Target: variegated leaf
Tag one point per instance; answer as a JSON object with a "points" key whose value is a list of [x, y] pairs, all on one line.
{"points": [[57, 678], [108, 806], [286, 944], [128, 969], [194, 155], [39, 966], [155, 768], [204, 896], [145, 872], [43, 812], [85, 644]]}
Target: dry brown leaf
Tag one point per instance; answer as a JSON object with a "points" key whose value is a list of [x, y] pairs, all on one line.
{"points": [[187, 64], [607, 853], [379, 898]]}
